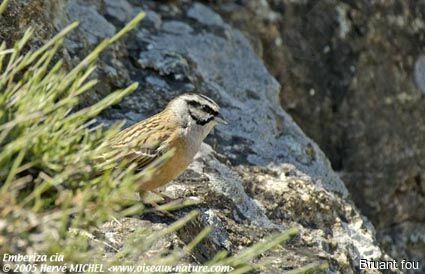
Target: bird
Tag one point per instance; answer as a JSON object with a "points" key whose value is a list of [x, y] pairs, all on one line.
{"points": [[180, 128]]}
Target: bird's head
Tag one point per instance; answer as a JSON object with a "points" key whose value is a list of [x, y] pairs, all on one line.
{"points": [[197, 111]]}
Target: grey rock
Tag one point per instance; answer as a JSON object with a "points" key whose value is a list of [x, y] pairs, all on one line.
{"points": [[152, 19], [93, 26], [110, 71], [204, 15], [93, 29], [419, 73], [165, 62], [228, 183], [352, 78], [219, 233], [133, 117], [120, 10], [176, 27], [287, 194], [155, 81]]}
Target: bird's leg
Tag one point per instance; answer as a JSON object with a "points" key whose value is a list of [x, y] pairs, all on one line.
{"points": [[158, 208], [166, 199], [152, 201]]}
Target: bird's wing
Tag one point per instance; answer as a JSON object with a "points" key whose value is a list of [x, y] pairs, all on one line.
{"points": [[143, 142]]}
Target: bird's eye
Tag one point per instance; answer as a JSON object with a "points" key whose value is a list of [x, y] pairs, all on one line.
{"points": [[209, 110]]}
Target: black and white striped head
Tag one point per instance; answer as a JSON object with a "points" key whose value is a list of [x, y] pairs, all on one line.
{"points": [[197, 109]]}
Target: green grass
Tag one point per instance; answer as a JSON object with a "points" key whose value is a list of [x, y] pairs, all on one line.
{"points": [[55, 193], [48, 154]]}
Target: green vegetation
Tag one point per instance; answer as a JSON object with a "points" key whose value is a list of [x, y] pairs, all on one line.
{"points": [[54, 192], [47, 152]]}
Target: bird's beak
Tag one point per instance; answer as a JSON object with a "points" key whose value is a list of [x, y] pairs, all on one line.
{"points": [[220, 120]]}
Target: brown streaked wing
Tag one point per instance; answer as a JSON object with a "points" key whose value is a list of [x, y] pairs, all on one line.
{"points": [[146, 140]]}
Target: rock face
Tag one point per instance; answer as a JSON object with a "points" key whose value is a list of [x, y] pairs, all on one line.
{"points": [[256, 177], [352, 75]]}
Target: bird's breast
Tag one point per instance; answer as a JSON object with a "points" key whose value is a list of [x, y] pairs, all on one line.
{"points": [[193, 138]]}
